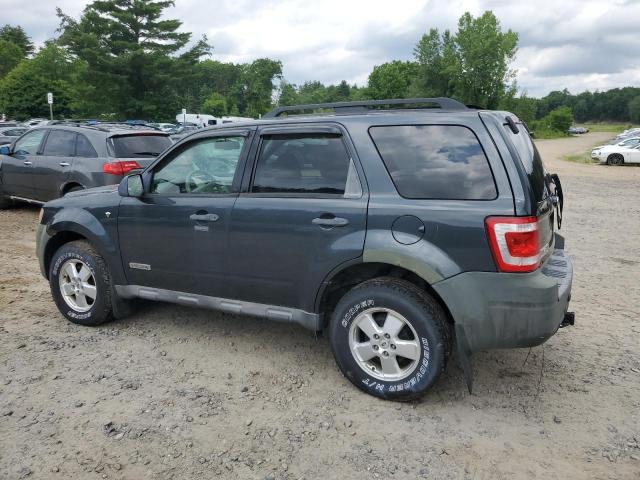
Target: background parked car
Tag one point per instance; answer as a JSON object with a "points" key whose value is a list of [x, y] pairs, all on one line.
{"points": [[35, 122], [183, 131], [165, 127], [632, 132], [627, 151], [48, 162], [578, 130], [9, 134]]}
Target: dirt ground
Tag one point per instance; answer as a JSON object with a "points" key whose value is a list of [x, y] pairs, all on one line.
{"points": [[183, 393]]}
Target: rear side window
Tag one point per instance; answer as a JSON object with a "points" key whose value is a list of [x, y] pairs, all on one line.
{"points": [[84, 147], [304, 164], [138, 146], [60, 143], [435, 162]]}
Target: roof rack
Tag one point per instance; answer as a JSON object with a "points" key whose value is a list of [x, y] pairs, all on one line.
{"points": [[365, 106]]}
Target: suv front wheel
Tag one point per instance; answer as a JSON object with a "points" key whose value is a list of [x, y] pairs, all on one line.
{"points": [[80, 284], [390, 339]]}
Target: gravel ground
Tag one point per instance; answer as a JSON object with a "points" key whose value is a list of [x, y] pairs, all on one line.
{"points": [[183, 393]]}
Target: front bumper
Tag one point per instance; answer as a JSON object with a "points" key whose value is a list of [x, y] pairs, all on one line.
{"points": [[509, 310]]}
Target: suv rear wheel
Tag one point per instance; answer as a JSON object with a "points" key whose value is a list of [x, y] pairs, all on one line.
{"points": [[390, 338], [80, 284]]}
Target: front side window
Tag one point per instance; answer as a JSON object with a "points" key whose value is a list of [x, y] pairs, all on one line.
{"points": [[60, 143], [204, 167], [28, 145], [435, 162], [303, 164]]}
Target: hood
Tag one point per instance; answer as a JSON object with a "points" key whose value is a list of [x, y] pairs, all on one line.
{"points": [[93, 191]]}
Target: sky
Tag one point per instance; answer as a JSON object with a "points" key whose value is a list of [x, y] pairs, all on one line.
{"points": [[575, 44]]}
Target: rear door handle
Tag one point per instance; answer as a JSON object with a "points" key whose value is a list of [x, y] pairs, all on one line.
{"points": [[64, 164], [27, 162], [205, 217], [330, 222]]}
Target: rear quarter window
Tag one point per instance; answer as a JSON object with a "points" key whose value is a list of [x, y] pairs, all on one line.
{"points": [[444, 162], [138, 146]]}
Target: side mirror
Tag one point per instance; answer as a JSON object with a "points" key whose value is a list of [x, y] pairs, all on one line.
{"points": [[131, 186], [5, 150]]}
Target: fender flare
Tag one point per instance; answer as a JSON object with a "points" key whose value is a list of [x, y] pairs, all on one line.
{"points": [[81, 222]]}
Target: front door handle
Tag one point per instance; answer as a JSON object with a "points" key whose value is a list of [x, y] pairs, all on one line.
{"points": [[64, 164], [330, 221], [27, 162], [205, 217]]}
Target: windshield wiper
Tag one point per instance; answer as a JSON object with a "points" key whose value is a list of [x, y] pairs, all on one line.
{"points": [[147, 153]]}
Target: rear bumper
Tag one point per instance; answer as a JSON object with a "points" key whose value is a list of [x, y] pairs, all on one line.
{"points": [[509, 310]]}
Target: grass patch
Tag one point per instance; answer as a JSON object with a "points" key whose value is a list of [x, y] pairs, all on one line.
{"points": [[580, 158], [607, 126], [548, 134]]}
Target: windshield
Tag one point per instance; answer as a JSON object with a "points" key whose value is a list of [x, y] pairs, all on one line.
{"points": [[139, 146]]}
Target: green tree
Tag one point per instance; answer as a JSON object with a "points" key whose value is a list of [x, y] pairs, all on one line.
{"points": [[132, 57], [10, 56], [17, 36], [215, 104], [391, 80], [23, 91], [437, 65], [523, 106], [253, 92], [288, 94], [634, 110], [560, 119], [484, 53]]}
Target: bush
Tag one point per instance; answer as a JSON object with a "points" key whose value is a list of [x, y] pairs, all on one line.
{"points": [[560, 119]]}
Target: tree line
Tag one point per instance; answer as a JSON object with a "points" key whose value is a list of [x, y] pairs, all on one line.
{"points": [[124, 59]]}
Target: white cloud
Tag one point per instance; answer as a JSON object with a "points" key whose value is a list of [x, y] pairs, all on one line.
{"points": [[578, 44]]}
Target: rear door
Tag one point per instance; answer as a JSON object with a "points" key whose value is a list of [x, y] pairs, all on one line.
{"points": [[175, 236], [52, 168], [301, 214], [17, 168]]}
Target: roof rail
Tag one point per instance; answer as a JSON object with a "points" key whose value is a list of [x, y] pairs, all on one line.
{"points": [[364, 106]]}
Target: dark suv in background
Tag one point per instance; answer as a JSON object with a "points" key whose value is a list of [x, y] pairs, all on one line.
{"points": [[400, 230], [48, 162]]}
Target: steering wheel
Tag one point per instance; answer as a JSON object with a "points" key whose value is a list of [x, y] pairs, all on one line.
{"points": [[198, 179]]}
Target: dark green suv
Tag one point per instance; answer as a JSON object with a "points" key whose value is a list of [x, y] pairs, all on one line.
{"points": [[402, 228]]}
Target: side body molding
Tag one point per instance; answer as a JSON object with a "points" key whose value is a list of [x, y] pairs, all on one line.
{"points": [[271, 312]]}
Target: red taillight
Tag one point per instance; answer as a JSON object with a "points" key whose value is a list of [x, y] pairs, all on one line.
{"points": [[120, 168], [515, 243]]}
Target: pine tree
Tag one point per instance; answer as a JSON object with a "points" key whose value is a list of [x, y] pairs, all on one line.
{"points": [[132, 55]]}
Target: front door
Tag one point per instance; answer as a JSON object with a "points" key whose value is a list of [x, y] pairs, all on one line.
{"points": [[175, 236], [52, 168], [17, 168], [302, 215]]}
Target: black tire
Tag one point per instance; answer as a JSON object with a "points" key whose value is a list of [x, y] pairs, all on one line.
{"points": [[615, 159], [5, 203], [419, 310], [100, 309]]}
